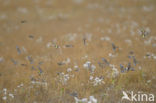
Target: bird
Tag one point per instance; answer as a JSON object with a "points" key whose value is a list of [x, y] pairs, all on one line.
{"points": [[18, 50], [122, 68], [125, 96], [144, 33]]}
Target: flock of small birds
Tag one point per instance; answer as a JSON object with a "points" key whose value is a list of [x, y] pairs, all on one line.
{"points": [[91, 66], [64, 77]]}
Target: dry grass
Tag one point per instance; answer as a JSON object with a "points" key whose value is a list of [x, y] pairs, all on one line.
{"points": [[57, 23]]}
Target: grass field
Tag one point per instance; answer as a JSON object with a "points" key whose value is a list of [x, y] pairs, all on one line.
{"points": [[67, 51]]}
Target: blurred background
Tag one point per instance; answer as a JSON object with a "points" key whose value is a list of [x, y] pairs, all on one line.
{"points": [[52, 51]]}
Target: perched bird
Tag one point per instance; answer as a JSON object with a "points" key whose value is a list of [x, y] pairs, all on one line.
{"points": [[33, 68], [23, 21], [40, 70], [105, 61], [114, 47], [134, 61], [144, 33], [74, 94], [30, 59], [129, 66], [15, 62], [18, 50], [84, 41], [31, 36], [122, 68]]}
